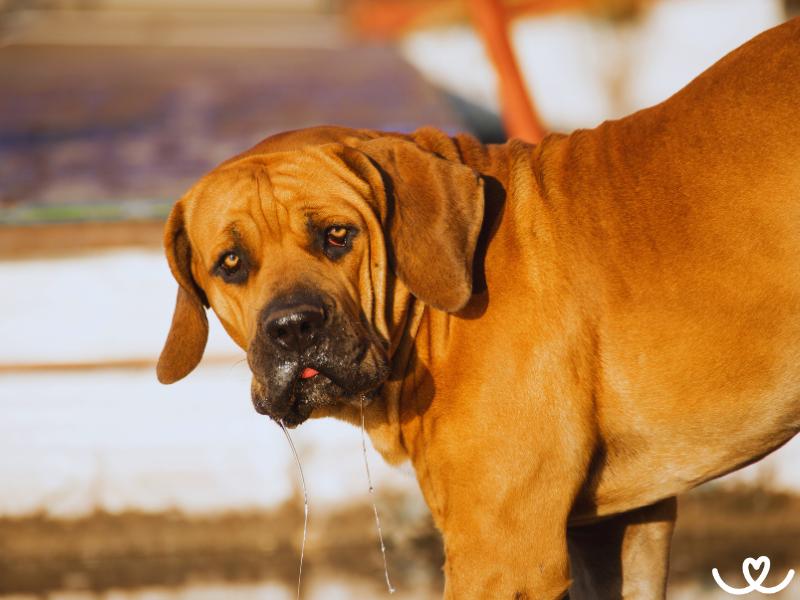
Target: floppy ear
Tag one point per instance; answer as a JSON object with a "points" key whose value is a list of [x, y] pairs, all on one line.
{"points": [[432, 211], [188, 333]]}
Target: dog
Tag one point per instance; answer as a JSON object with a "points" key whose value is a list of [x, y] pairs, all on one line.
{"points": [[561, 337]]}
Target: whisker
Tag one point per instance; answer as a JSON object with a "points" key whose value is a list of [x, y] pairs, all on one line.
{"points": [[372, 497], [305, 505]]}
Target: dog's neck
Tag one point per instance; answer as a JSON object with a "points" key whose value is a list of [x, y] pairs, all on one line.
{"points": [[419, 347]]}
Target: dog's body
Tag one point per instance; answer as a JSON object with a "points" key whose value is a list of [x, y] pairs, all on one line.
{"points": [[632, 327]]}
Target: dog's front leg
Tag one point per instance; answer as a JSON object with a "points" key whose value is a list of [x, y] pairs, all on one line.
{"points": [[529, 564], [503, 511]]}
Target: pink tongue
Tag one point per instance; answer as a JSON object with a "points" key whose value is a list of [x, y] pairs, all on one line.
{"points": [[308, 372]]}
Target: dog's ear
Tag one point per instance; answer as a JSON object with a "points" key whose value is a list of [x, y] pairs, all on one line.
{"points": [[188, 333], [432, 212]]}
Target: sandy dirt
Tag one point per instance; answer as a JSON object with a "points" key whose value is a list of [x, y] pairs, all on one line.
{"points": [[64, 239]]}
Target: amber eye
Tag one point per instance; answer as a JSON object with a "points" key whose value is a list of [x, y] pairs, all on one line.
{"points": [[232, 266], [336, 236], [231, 262]]}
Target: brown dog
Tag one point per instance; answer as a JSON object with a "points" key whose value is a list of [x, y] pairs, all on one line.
{"points": [[560, 337]]}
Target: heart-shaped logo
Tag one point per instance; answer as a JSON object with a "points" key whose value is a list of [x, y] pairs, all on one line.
{"points": [[755, 564], [750, 567]]}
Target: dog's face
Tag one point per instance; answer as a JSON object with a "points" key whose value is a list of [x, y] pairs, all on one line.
{"points": [[297, 245]]}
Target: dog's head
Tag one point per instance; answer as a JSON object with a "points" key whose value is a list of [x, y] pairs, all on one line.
{"points": [[299, 245]]}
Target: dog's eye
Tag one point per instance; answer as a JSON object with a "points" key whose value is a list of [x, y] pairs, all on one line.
{"points": [[231, 262], [337, 236], [232, 267], [336, 240]]}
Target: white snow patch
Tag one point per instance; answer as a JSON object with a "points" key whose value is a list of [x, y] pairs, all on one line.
{"points": [[70, 443], [101, 307]]}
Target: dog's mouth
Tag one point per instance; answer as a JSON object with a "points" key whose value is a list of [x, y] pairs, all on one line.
{"points": [[310, 354], [311, 390], [289, 392]]}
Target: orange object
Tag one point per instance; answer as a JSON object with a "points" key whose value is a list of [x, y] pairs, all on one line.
{"points": [[387, 19], [390, 19], [519, 115]]}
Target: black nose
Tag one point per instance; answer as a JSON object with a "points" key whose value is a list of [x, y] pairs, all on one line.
{"points": [[295, 327]]}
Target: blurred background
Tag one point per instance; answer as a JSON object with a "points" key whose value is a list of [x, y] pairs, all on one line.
{"points": [[114, 487]]}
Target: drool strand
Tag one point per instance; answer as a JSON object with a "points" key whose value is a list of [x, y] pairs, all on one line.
{"points": [[305, 505], [372, 498]]}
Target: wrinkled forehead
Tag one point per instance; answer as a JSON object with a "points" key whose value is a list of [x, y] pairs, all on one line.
{"points": [[269, 195]]}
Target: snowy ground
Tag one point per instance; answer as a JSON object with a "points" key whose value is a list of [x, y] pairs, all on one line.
{"points": [[119, 440]]}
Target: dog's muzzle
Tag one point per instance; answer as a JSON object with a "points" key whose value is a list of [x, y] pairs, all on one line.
{"points": [[308, 353]]}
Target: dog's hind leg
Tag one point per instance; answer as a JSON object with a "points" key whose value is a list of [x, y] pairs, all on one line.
{"points": [[624, 557]]}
